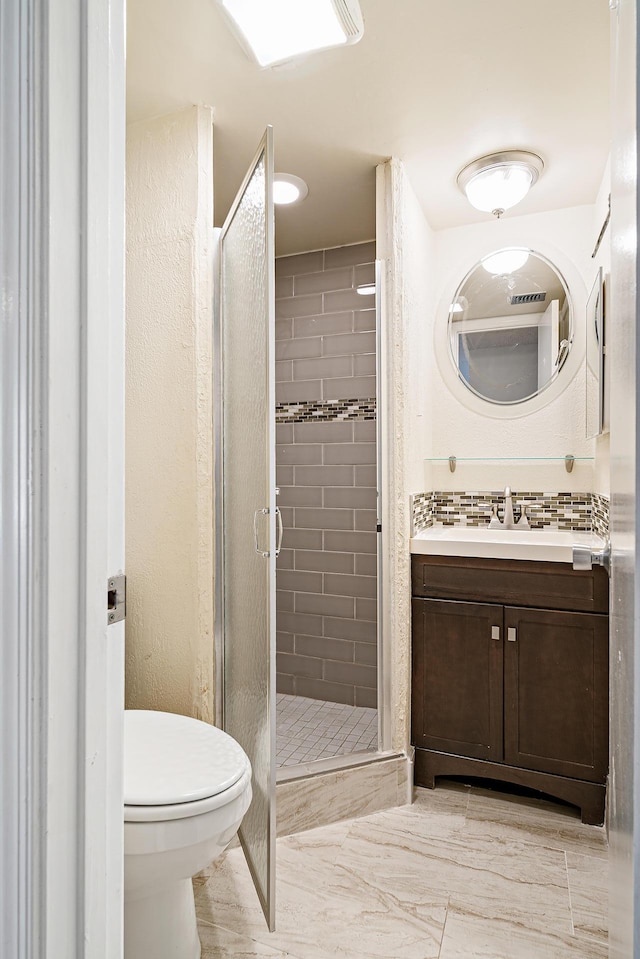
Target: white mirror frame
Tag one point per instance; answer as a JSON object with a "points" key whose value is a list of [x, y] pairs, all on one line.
{"points": [[573, 365]]}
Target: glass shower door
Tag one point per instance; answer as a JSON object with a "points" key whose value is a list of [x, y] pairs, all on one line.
{"points": [[247, 476]]}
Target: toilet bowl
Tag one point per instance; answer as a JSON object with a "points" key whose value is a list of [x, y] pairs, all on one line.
{"points": [[187, 786]]}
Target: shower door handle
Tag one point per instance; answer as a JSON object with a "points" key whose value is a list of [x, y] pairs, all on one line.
{"points": [[280, 531], [259, 550]]}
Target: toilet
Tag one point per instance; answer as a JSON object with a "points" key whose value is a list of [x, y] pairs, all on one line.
{"points": [[187, 786]]}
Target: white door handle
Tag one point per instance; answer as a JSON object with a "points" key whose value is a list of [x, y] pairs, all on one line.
{"points": [[585, 558]]}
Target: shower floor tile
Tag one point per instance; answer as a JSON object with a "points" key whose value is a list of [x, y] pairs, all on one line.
{"points": [[309, 729]]}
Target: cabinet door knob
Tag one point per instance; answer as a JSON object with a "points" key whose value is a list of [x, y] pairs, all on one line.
{"points": [[495, 632], [511, 634]]}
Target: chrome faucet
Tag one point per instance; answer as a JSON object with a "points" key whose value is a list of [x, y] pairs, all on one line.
{"points": [[508, 521]]}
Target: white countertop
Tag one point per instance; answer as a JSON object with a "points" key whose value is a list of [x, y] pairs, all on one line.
{"points": [[544, 545]]}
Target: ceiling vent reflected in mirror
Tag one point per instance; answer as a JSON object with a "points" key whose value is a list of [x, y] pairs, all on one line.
{"points": [[519, 298]]}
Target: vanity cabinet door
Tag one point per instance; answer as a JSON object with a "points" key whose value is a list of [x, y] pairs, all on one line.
{"points": [[556, 692], [457, 678]]}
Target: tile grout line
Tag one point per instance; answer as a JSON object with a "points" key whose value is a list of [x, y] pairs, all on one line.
{"points": [[444, 926], [566, 867]]}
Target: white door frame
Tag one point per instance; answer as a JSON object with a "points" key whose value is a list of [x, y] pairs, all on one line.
{"points": [[624, 788], [61, 248]]}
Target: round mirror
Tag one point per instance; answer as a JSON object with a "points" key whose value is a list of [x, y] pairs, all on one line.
{"points": [[510, 326]]}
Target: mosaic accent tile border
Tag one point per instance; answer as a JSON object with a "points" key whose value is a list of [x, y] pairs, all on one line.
{"points": [[421, 512], [600, 515], [326, 411], [577, 512]]}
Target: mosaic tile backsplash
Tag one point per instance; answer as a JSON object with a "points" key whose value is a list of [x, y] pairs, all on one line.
{"points": [[578, 512], [600, 515]]}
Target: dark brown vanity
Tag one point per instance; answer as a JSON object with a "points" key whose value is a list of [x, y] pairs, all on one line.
{"points": [[510, 675]]}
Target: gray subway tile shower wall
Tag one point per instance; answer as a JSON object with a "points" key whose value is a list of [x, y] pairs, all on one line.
{"points": [[326, 472]]}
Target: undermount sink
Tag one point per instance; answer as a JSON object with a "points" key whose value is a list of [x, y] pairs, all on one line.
{"points": [[544, 545]]}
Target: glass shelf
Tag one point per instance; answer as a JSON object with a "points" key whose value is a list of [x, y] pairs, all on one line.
{"points": [[569, 460]]}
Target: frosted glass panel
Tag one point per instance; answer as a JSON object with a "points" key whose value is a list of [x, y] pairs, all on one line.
{"points": [[247, 329]]}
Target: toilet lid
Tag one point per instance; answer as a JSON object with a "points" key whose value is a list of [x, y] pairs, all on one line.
{"points": [[176, 759]]}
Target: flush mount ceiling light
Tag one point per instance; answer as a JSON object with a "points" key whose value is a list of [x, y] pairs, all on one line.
{"points": [[288, 188], [505, 261], [497, 182], [278, 30]]}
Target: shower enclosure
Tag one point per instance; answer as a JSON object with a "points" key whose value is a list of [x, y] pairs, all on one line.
{"points": [[246, 503], [327, 475], [295, 415]]}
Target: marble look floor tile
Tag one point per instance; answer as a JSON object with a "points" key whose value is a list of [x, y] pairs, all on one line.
{"points": [[463, 873], [469, 936], [453, 799], [324, 911], [589, 895], [218, 943], [499, 879], [323, 843], [505, 816], [433, 813]]}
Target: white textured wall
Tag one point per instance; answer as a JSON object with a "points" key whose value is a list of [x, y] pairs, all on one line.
{"points": [[405, 244], [419, 294], [169, 448]]}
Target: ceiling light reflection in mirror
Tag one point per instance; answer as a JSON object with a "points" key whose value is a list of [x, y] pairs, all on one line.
{"points": [[505, 261]]}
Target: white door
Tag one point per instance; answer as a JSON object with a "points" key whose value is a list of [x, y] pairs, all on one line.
{"points": [[623, 344], [548, 343], [246, 483], [62, 477]]}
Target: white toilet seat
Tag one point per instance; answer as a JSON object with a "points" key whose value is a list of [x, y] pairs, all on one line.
{"points": [[172, 760], [186, 810]]}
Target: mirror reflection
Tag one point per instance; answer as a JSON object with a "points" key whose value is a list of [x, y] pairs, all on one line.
{"points": [[510, 326]]}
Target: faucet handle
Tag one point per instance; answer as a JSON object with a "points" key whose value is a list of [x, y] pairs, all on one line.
{"points": [[523, 522], [494, 522]]}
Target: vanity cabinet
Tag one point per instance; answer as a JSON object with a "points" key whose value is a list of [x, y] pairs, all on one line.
{"points": [[510, 675]]}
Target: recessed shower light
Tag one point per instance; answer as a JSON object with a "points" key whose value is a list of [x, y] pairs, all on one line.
{"points": [[288, 188], [367, 289], [496, 182], [278, 30]]}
